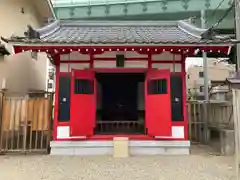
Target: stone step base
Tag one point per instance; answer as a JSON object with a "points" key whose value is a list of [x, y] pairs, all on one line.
{"points": [[89, 148]]}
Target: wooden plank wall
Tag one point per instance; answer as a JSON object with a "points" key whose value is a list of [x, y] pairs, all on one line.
{"points": [[219, 116], [19, 111], [25, 123]]}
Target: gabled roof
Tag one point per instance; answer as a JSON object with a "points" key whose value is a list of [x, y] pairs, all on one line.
{"points": [[120, 32]]}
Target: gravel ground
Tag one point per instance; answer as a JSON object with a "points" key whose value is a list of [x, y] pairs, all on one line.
{"points": [[200, 165]]}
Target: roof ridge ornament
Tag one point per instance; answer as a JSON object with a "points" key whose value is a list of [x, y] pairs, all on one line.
{"points": [[31, 33], [164, 5], [185, 4], [209, 34], [192, 20]]}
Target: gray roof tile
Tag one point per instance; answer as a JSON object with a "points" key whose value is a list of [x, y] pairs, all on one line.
{"points": [[120, 32]]}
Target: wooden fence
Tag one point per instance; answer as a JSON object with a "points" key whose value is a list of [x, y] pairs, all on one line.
{"points": [[25, 123], [206, 116]]}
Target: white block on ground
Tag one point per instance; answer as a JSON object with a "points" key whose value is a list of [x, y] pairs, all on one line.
{"points": [[120, 147]]}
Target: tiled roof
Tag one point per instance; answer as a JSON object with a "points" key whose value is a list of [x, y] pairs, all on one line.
{"points": [[119, 32]]}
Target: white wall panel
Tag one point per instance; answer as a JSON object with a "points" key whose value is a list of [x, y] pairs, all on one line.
{"points": [[172, 67], [74, 56], [127, 54], [78, 66], [104, 64], [166, 56], [136, 64]]}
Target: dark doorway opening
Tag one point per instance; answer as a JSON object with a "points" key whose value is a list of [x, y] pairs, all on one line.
{"points": [[118, 103]]}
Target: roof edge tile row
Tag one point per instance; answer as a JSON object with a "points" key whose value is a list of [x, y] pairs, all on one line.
{"points": [[120, 32]]}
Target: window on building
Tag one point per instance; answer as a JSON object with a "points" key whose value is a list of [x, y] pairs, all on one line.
{"points": [[84, 86], [188, 76], [50, 85], [157, 86], [201, 89], [201, 74]]}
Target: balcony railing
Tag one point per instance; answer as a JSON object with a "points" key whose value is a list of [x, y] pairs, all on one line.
{"points": [[67, 3]]}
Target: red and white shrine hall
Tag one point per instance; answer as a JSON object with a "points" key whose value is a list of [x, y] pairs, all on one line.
{"points": [[120, 78]]}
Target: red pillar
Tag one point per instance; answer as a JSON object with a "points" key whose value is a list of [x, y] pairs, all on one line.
{"points": [[91, 60], [149, 60], [183, 62], [57, 60]]}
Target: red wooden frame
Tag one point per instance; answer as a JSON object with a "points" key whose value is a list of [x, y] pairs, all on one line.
{"points": [[109, 137], [120, 70], [82, 122], [55, 123], [143, 49], [57, 50], [184, 90], [158, 117]]}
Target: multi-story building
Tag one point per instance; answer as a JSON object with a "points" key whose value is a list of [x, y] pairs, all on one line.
{"points": [[218, 71], [25, 71]]}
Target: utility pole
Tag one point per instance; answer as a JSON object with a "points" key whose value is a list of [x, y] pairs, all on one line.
{"points": [[205, 76], [204, 56], [236, 93], [237, 31]]}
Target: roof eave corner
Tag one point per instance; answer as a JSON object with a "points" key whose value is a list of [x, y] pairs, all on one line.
{"points": [[48, 29], [4, 40], [191, 29]]}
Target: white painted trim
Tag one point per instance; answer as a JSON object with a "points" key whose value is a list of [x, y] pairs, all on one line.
{"points": [[177, 132], [63, 132], [78, 137]]}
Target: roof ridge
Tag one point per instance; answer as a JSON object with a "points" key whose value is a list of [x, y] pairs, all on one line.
{"points": [[118, 23]]}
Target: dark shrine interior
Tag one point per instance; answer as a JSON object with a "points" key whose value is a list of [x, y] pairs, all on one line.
{"points": [[118, 110]]}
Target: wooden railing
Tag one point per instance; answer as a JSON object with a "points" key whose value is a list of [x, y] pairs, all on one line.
{"points": [[25, 123], [113, 127], [204, 116]]}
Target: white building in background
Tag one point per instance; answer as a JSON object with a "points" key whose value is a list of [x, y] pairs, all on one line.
{"points": [[218, 71], [26, 71]]}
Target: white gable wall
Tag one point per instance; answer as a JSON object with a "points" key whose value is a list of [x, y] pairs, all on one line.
{"points": [[76, 56]]}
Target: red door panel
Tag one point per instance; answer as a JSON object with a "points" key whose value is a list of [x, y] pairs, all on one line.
{"points": [[83, 103], [158, 103]]}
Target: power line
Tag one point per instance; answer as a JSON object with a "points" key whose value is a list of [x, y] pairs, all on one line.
{"points": [[214, 12], [210, 33], [224, 15]]}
